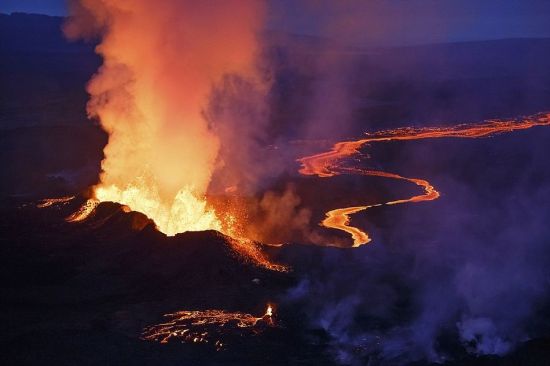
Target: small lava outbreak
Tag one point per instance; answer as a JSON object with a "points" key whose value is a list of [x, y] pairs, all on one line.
{"points": [[213, 327]]}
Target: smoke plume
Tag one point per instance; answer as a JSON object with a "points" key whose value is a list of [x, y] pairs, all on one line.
{"points": [[161, 62]]}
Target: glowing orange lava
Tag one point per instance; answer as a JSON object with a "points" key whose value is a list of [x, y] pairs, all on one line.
{"points": [[84, 211], [187, 211], [214, 327], [330, 163], [160, 66], [47, 202], [269, 311], [245, 249]]}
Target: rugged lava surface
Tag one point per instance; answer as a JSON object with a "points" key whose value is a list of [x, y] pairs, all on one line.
{"points": [[83, 293]]}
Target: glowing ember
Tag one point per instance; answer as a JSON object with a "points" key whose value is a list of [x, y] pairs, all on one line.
{"points": [[213, 327], [330, 163]]}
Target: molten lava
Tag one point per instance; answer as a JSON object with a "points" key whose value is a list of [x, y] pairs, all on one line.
{"points": [[186, 212], [160, 65], [214, 327], [54, 201], [331, 163]]}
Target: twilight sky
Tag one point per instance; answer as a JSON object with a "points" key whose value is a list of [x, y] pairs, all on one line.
{"points": [[384, 22], [50, 7]]}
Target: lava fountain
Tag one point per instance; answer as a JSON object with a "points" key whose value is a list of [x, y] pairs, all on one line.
{"points": [[161, 61]]}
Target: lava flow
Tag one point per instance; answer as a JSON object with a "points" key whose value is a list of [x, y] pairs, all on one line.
{"points": [[54, 201], [331, 163], [214, 327]]}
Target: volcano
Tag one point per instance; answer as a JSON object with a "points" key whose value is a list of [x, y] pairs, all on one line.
{"points": [[106, 279], [97, 290], [183, 184]]}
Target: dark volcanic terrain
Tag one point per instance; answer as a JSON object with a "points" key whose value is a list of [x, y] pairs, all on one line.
{"points": [[81, 293]]}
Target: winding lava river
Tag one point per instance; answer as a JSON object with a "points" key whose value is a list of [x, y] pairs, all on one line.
{"points": [[332, 163]]}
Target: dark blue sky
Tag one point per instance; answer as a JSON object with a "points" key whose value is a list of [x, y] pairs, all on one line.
{"points": [[383, 22], [373, 22], [50, 7]]}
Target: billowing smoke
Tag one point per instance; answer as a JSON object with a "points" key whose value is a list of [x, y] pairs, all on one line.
{"points": [[161, 62], [278, 218]]}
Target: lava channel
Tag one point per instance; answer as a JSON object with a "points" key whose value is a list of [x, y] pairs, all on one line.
{"points": [[332, 162]]}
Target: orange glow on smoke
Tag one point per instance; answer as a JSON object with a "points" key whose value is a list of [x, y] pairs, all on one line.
{"points": [[330, 163], [161, 61]]}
